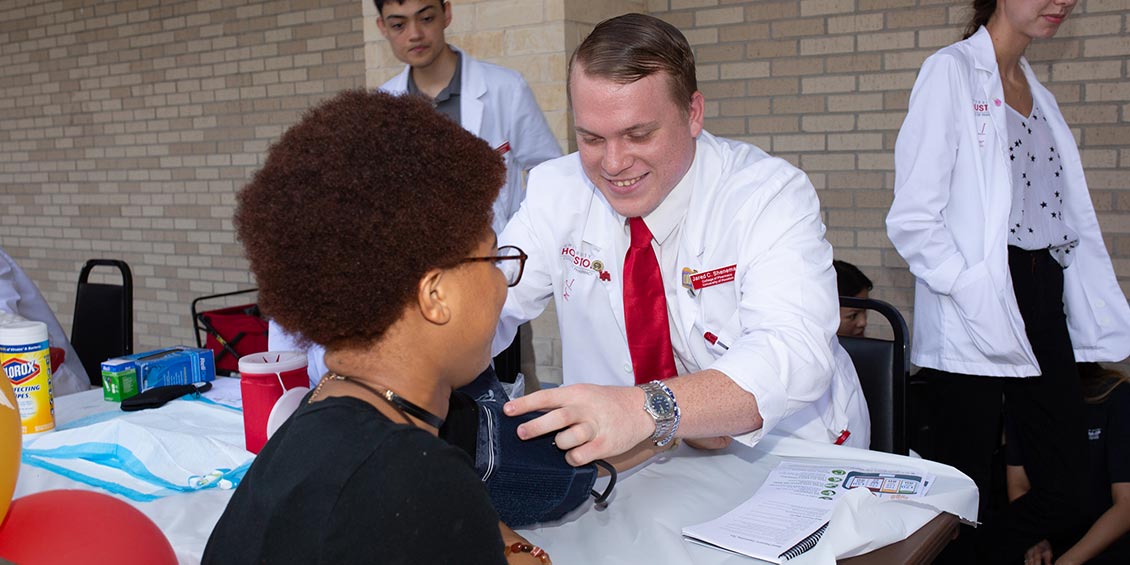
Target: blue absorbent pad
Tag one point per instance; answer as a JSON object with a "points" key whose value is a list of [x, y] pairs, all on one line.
{"points": [[149, 454]]}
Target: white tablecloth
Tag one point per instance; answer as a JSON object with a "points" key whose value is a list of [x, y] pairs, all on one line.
{"points": [[187, 520], [645, 517], [644, 520]]}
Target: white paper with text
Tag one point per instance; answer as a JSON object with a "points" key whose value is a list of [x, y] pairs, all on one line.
{"points": [[794, 503]]}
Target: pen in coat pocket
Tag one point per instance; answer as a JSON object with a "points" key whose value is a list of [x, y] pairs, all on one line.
{"points": [[713, 340]]}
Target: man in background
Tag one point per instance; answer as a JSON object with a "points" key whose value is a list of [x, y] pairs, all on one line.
{"points": [[490, 101]]}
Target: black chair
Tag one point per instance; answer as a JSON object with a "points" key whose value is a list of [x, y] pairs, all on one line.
{"points": [[883, 367], [103, 322]]}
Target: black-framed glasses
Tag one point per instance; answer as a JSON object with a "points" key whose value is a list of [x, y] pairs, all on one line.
{"points": [[510, 260]]}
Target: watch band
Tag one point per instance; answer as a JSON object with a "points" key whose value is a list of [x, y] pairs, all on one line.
{"points": [[665, 428]]}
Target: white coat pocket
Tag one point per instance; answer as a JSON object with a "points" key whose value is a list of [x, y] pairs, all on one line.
{"points": [[981, 311]]}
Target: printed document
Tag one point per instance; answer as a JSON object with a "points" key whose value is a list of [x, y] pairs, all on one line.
{"points": [[787, 515]]}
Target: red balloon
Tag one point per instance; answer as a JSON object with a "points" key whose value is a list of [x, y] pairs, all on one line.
{"points": [[80, 526]]}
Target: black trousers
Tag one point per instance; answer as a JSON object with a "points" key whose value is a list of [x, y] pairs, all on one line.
{"points": [[966, 422]]}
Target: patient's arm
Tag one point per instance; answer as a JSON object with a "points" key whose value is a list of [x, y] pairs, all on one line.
{"points": [[1017, 480], [510, 537], [1112, 525]]}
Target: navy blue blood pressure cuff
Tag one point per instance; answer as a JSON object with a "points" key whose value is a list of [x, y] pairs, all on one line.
{"points": [[528, 481]]}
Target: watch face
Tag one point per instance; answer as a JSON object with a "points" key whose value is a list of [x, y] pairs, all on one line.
{"points": [[660, 405]]}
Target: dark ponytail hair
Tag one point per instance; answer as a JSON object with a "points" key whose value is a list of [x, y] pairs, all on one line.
{"points": [[982, 11], [1098, 382]]}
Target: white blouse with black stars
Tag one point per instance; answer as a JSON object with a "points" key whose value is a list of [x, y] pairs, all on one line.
{"points": [[1036, 220]]}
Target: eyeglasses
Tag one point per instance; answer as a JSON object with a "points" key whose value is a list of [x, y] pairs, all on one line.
{"points": [[510, 260]]}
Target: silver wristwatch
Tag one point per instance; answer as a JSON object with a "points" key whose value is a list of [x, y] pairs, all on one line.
{"points": [[659, 402]]}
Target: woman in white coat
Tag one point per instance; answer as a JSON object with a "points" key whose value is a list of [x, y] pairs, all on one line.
{"points": [[992, 215]]}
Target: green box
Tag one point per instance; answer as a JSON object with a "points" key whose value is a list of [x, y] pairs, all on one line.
{"points": [[119, 380]]}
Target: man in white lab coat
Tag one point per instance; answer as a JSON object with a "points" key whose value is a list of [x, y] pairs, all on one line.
{"points": [[746, 274], [490, 101]]}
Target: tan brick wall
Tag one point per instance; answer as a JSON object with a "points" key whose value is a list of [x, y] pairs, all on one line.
{"points": [[127, 128]]}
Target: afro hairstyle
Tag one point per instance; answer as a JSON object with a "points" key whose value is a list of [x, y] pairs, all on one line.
{"points": [[354, 205]]}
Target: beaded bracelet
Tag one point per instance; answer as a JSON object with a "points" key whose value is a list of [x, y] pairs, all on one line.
{"points": [[533, 550]]}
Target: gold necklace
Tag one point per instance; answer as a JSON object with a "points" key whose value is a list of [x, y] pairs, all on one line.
{"points": [[321, 383]]}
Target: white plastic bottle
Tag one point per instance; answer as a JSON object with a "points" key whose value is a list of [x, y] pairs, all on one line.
{"points": [[25, 356]]}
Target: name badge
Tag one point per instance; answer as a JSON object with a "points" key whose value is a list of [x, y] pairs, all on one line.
{"points": [[715, 277]]}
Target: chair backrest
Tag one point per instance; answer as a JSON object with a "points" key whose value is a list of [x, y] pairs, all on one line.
{"points": [[230, 332], [883, 368], [103, 322]]}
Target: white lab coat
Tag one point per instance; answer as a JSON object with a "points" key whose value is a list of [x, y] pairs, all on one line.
{"points": [[949, 219], [20, 296], [496, 105], [779, 316]]}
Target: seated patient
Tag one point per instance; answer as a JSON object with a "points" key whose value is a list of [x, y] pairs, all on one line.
{"points": [[369, 230], [1105, 537], [850, 281]]}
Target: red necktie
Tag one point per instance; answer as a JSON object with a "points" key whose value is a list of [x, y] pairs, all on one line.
{"points": [[645, 309]]}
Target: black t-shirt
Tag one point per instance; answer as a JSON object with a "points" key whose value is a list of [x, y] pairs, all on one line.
{"points": [[341, 483], [1108, 432], [1108, 435]]}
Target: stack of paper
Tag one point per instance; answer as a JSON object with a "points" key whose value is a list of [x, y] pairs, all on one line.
{"points": [[787, 515]]}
